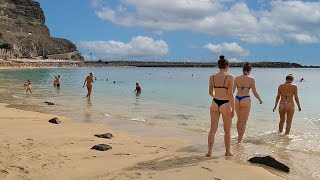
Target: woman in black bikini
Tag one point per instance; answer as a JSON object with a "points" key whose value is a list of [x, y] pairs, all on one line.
{"points": [[243, 101], [286, 108], [221, 89]]}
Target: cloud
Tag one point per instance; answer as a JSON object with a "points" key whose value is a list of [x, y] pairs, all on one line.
{"points": [[139, 46], [228, 49], [277, 21]]}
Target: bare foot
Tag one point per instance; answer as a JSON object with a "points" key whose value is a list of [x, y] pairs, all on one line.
{"points": [[229, 154], [208, 154]]}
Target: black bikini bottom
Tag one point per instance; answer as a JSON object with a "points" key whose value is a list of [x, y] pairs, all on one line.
{"points": [[220, 102]]}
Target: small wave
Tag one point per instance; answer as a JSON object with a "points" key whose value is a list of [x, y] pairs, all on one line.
{"points": [[185, 117], [17, 97], [138, 119], [107, 115], [183, 124]]}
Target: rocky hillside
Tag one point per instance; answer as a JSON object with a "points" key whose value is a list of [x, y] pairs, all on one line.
{"points": [[22, 26]]}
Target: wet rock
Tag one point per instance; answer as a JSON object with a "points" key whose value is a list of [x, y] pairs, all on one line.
{"points": [[271, 162], [49, 103], [101, 147], [55, 121], [106, 135]]}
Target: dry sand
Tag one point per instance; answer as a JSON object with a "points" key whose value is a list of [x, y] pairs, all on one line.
{"points": [[32, 148]]}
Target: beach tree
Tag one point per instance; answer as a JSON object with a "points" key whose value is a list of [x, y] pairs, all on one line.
{"points": [[6, 46]]}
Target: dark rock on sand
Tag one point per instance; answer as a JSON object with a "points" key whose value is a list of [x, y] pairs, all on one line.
{"points": [[55, 120], [106, 135], [49, 103], [101, 147], [271, 162]]}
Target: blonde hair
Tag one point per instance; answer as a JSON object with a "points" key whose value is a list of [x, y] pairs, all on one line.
{"points": [[289, 77]]}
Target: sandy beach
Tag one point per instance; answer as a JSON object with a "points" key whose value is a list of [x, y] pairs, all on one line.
{"points": [[32, 148]]}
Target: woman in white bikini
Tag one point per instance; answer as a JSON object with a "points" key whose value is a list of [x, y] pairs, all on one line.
{"points": [[243, 101], [286, 108]]}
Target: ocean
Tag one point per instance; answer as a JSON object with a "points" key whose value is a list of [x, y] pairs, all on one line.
{"points": [[177, 99]]}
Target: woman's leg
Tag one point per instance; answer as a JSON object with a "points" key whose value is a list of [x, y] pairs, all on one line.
{"points": [[244, 110], [290, 113], [237, 107], [282, 113], [227, 122], [214, 115]]}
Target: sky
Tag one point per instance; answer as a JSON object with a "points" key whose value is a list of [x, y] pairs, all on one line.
{"points": [[189, 30]]}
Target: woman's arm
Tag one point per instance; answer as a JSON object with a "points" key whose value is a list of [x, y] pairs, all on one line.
{"points": [[230, 94], [255, 93], [297, 98], [211, 86], [277, 100], [84, 82]]}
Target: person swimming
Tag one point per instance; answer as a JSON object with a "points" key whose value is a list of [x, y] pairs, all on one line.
{"points": [[138, 88], [244, 84], [220, 88], [287, 92]]}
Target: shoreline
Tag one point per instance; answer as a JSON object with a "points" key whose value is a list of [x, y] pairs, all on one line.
{"points": [[38, 150], [143, 64]]}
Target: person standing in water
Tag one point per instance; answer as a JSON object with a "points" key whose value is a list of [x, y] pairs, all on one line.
{"points": [[243, 84], [138, 88], [27, 86], [286, 108], [221, 89], [89, 81], [55, 81], [58, 81]]}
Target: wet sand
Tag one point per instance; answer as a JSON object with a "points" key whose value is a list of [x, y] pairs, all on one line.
{"points": [[32, 148]]}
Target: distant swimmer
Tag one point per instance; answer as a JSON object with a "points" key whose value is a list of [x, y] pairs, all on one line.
{"points": [[58, 81], [221, 89], [114, 82], [95, 78], [27, 86], [302, 79], [286, 92], [244, 84], [89, 81], [138, 88]]}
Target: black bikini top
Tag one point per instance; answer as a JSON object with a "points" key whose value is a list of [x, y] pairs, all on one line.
{"points": [[224, 82]]}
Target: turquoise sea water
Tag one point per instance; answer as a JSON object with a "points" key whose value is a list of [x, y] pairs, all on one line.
{"points": [[173, 98]]}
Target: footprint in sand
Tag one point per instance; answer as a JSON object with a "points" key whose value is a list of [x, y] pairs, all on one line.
{"points": [[208, 169], [21, 169], [122, 154], [4, 172], [149, 146]]}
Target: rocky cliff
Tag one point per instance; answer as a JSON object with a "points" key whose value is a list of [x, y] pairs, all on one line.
{"points": [[22, 26]]}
